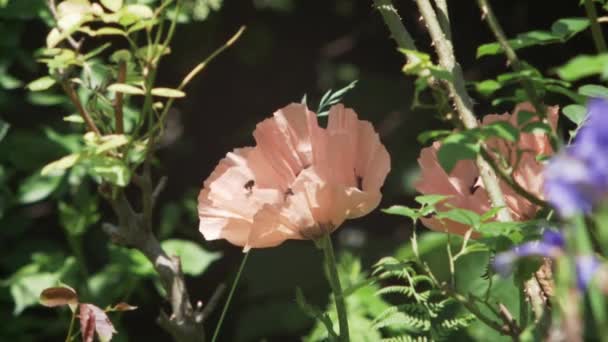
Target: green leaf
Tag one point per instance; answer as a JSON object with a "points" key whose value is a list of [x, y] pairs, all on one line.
{"points": [[37, 187], [58, 166], [451, 153], [131, 14], [501, 129], [464, 216], [430, 200], [593, 90], [576, 113], [110, 31], [537, 127], [487, 87], [125, 89], [43, 83], [4, 127], [112, 5], [194, 259], [110, 142], [424, 137], [110, 169], [402, 211], [568, 27], [168, 92], [584, 66]]}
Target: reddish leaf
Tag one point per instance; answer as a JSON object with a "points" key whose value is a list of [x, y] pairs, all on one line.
{"points": [[58, 296], [122, 306], [95, 319], [87, 322]]}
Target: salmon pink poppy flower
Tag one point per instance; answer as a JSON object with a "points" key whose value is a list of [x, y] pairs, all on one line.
{"points": [[463, 185], [300, 181]]}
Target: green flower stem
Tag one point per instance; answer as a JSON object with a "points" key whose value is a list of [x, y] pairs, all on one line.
{"points": [[596, 30], [334, 282], [71, 328], [229, 299]]}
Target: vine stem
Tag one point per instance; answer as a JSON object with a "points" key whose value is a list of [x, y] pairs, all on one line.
{"points": [[488, 14], [596, 30], [229, 299]]}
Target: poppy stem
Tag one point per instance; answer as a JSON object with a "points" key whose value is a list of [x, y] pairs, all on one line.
{"points": [[334, 282], [229, 299]]}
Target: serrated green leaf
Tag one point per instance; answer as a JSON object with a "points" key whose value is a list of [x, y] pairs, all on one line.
{"points": [[168, 92], [43, 83], [402, 211], [194, 259]]}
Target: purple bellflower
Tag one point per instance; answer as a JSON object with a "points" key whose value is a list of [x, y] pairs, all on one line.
{"points": [[577, 178]]}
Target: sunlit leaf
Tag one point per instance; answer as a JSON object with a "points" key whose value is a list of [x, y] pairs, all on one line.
{"points": [[60, 165], [584, 66], [37, 187], [576, 113], [168, 92], [126, 89], [112, 5], [112, 170], [593, 90], [43, 83]]}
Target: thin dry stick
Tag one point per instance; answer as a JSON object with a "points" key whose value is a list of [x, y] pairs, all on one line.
{"points": [[462, 102], [67, 88], [122, 75], [488, 14]]}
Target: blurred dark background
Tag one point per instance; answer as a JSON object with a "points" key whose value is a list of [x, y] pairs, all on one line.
{"points": [[290, 48]]}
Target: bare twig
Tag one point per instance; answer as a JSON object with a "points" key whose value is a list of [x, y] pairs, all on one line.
{"points": [[184, 323], [122, 74], [488, 14], [67, 88]]}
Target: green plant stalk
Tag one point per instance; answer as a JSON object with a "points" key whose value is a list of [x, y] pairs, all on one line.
{"points": [[488, 14], [597, 302], [71, 327], [334, 282], [596, 30], [229, 299], [76, 247]]}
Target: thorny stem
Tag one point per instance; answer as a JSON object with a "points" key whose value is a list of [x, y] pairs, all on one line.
{"points": [[462, 102], [334, 282], [488, 14], [67, 88], [596, 30], [229, 299], [122, 74], [395, 26], [444, 17], [464, 107]]}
